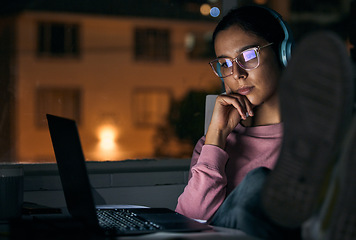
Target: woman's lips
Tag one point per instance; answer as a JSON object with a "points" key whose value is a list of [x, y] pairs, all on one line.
{"points": [[244, 90]]}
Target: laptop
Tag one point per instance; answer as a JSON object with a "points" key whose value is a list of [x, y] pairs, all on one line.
{"points": [[79, 198]]}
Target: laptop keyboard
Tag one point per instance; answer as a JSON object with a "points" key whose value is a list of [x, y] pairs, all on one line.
{"points": [[124, 220]]}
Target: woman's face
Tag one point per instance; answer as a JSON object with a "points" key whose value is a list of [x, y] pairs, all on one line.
{"points": [[259, 85]]}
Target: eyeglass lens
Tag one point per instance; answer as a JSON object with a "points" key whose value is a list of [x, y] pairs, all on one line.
{"points": [[247, 59]]}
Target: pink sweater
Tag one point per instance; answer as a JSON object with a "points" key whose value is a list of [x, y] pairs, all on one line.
{"points": [[215, 172]]}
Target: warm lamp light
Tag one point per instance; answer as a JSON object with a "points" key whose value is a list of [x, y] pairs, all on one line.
{"points": [[107, 137]]}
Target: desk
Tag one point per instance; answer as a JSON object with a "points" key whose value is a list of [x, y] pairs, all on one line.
{"points": [[217, 234], [63, 226]]}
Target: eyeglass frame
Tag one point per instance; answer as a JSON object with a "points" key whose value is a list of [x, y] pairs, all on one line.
{"points": [[257, 49]]}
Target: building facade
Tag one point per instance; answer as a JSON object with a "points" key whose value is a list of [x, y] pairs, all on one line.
{"points": [[115, 75]]}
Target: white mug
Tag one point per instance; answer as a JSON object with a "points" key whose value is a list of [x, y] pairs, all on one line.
{"points": [[11, 191]]}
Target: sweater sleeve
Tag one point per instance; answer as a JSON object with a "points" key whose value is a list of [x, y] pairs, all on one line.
{"points": [[206, 188]]}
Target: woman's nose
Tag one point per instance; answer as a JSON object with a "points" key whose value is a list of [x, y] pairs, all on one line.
{"points": [[237, 71]]}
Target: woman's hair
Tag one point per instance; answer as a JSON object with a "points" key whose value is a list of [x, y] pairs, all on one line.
{"points": [[256, 20]]}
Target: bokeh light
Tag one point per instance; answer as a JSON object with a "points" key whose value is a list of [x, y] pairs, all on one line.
{"points": [[214, 12], [205, 9]]}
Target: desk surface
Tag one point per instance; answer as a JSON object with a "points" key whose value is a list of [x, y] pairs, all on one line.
{"points": [[218, 233]]}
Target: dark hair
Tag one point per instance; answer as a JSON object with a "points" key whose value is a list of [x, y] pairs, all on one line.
{"points": [[256, 20]]}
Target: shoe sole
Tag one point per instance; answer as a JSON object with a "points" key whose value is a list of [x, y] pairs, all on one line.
{"points": [[316, 103], [343, 218]]}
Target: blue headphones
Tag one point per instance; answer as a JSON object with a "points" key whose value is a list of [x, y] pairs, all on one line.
{"points": [[285, 48]]}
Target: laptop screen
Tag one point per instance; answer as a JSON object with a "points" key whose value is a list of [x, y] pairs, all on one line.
{"points": [[72, 169]]}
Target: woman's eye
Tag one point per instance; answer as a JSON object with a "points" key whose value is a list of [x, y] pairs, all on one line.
{"points": [[226, 64]]}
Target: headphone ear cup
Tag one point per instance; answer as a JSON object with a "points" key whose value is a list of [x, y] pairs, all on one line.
{"points": [[285, 48], [289, 48]]}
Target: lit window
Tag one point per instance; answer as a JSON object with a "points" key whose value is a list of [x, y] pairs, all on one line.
{"points": [[199, 45], [151, 106], [63, 102]]}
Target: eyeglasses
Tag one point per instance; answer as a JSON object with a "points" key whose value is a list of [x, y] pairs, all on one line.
{"points": [[248, 59]]}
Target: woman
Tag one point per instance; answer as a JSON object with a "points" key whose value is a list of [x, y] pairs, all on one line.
{"points": [[245, 132], [231, 183]]}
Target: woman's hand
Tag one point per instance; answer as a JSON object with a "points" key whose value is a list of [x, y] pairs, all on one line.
{"points": [[229, 110]]}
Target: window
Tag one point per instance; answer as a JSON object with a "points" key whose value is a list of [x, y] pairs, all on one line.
{"points": [[58, 39], [199, 45], [152, 44], [151, 106], [65, 102]]}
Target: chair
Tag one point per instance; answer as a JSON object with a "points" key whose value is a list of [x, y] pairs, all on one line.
{"points": [[209, 107]]}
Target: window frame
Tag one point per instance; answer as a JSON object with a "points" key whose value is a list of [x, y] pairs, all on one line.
{"points": [[152, 44], [71, 44], [44, 100], [141, 114]]}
